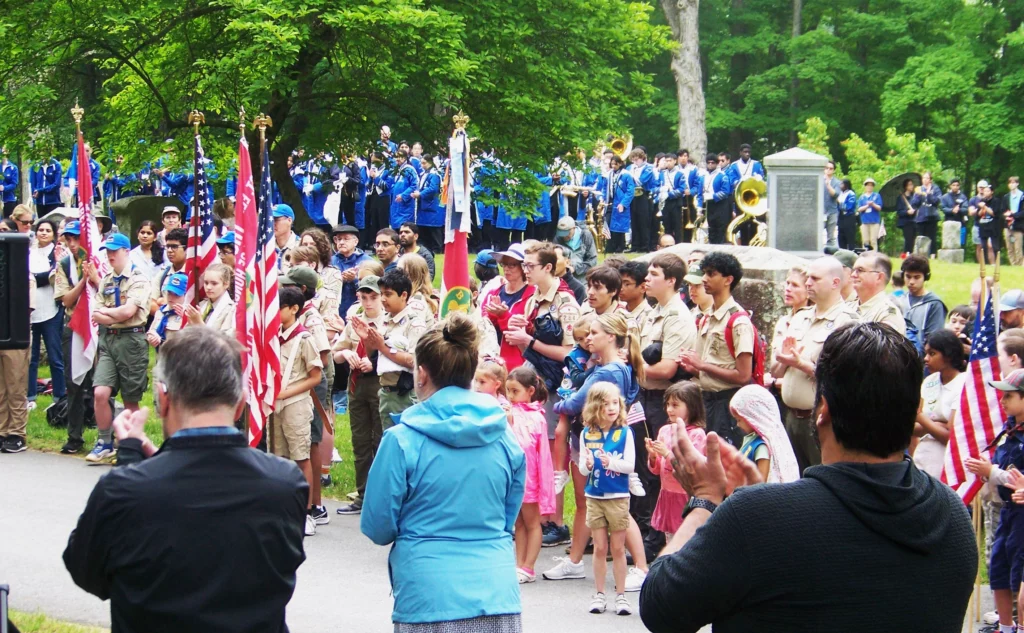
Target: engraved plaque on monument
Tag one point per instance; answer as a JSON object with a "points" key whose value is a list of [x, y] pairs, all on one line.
{"points": [[796, 215]]}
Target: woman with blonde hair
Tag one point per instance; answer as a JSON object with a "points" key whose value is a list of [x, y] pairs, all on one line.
{"points": [[416, 270]]}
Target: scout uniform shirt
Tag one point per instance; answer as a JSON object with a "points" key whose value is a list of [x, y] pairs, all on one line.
{"points": [[881, 309], [714, 349], [115, 290], [62, 285], [560, 303], [157, 283], [284, 254], [298, 357], [781, 328], [637, 317], [349, 339], [418, 305], [310, 319], [220, 315], [166, 323], [402, 331], [672, 324], [810, 331]]}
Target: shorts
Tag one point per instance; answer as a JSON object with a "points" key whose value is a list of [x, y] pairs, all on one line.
{"points": [[612, 514], [316, 432], [549, 414], [1007, 565], [291, 425], [123, 364], [975, 235]]}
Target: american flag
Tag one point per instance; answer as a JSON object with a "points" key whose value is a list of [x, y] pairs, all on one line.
{"points": [[245, 284], [981, 415], [202, 243], [265, 382], [85, 333]]}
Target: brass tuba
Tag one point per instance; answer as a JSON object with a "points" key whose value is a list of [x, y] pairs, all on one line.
{"points": [[752, 203], [621, 145]]}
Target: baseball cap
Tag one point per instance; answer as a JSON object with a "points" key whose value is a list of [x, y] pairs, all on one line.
{"points": [[515, 251], [385, 129], [371, 283], [983, 183], [227, 238], [846, 257], [170, 209], [1013, 300], [344, 229], [176, 284], [869, 180], [694, 275], [73, 228], [284, 211], [486, 258], [118, 241], [565, 225], [1013, 382], [299, 276]]}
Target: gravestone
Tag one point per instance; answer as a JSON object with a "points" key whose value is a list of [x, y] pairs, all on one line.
{"points": [[796, 201], [922, 246], [951, 251], [764, 278]]}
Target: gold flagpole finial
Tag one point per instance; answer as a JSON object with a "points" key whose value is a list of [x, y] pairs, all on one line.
{"points": [[262, 122], [241, 120], [195, 119], [460, 120], [77, 113]]}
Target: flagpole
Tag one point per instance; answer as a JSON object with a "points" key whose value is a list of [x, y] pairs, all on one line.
{"points": [[195, 118], [262, 122]]}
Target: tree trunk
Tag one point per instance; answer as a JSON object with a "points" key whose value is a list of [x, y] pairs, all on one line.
{"points": [[739, 69], [794, 86], [682, 17]]}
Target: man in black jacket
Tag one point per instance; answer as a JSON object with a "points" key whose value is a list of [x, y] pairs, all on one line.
{"points": [[204, 534], [865, 542]]}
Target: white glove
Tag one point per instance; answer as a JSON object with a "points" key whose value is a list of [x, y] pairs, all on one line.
{"points": [[307, 188]]}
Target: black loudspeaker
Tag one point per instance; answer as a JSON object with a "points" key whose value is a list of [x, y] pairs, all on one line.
{"points": [[14, 310]]}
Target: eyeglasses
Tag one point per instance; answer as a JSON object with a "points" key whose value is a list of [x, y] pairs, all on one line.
{"points": [[24, 222], [528, 266], [172, 247], [861, 271]]}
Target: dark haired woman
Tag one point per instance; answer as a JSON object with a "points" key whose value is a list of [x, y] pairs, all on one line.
{"points": [[48, 316], [444, 491], [905, 219], [148, 256], [940, 399]]}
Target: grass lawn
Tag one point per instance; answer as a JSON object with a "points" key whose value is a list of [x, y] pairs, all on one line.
{"points": [[951, 282], [39, 623]]}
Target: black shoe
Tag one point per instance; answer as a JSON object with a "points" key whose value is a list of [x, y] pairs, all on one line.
{"points": [[71, 447], [14, 444], [555, 536], [325, 481], [350, 508], [320, 515]]}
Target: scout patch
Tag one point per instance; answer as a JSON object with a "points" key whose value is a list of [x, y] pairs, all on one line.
{"points": [[568, 314]]}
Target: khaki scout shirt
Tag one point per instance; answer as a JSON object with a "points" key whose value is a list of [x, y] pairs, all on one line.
{"points": [[810, 331], [131, 284], [714, 350], [157, 283], [402, 331], [881, 309], [781, 327], [221, 315], [418, 305], [672, 325], [306, 358], [314, 323], [62, 286], [349, 339], [637, 317], [559, 304], [284, 254]]}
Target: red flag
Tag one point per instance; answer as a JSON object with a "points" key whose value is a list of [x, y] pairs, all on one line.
{"points": [[85, 333], [455, 293], [245, 276]]}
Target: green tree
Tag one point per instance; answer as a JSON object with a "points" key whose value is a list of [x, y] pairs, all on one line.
{"points": [[537, 77]]}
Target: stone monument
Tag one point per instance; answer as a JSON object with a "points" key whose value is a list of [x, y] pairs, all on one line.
{"points": [[796, 202], [951, 251], [764, 277]]}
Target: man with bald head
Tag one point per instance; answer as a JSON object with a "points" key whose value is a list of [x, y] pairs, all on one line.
{"points": [[870, 275], [801, 346]]}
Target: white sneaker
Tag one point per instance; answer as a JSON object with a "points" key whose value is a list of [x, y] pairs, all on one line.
{"points": [[32, 405], [564, 570], [335, 457], [990, 617], [561, 479], [310, 526], [525, 576], [635, 487], [598, 604], [622, 606], [635, 579]]}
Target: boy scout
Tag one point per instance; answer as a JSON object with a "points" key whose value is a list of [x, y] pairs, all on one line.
{"points": [[722, 366], [871, 273], [293, 411], [395, 346], [123, 358], [796, 361], [69, 279]]}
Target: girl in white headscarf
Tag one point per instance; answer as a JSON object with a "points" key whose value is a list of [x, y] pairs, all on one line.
{"points": [[766, 443]]}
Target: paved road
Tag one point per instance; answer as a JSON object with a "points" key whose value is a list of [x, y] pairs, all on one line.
{"points": [[343, 585]]}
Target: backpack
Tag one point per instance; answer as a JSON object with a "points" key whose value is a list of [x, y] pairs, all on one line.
{"points": [[914, 336], [760, 347], [914, 333]]}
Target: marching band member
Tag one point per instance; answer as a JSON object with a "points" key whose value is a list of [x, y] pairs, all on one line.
{"points": [[379, 200], [641, 211], [745, 167], [715, 198], [429, 212], [676, 191], [403, 206], [618, 190]]}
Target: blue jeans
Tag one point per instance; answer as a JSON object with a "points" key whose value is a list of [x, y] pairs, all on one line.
{"points": [[49, 332]]}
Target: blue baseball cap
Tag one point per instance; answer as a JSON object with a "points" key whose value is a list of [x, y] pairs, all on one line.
{"points": [[227, 238], [486, 259], [176, 284], [284, 211], [117, 241], [73, 228]]}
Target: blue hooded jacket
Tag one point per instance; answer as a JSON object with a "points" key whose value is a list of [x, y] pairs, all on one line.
{"points": [[444, 491], [617, 373]]}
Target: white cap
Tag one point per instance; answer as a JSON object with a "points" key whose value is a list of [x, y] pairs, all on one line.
{"points": [[385, 129], [983, 183]]}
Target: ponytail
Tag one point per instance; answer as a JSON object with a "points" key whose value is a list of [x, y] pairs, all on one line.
{"points": [[615, 324]]}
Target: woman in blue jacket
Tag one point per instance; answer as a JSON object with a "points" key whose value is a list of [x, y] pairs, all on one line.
{"points": [[444, 491], [617, 189]]}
